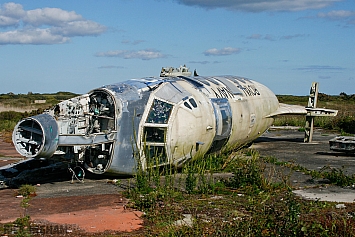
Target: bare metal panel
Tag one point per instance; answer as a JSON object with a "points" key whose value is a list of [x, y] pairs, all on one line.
{"points": [[172, 92]]}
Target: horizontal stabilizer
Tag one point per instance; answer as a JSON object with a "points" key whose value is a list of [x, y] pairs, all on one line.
{"points": [[321, 112], [285, 109]]}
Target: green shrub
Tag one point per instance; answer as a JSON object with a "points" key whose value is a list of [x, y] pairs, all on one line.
{"points": [[26, 190], [248, 173]]}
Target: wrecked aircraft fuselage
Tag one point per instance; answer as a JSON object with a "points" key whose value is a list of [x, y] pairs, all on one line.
{"points": [[164, 120], [343, 144], [171, 118]]}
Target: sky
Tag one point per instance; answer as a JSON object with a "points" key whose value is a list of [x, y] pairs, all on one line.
{"points": [[48, 46]]}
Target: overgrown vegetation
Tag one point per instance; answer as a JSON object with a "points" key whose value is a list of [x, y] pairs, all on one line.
{"points": [[332, 175], [344, 122], [200, 200], [24, 100], [8, 119], [21, 226]]}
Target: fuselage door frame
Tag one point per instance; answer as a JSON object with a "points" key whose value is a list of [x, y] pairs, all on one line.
{"points": [[223, 115]]}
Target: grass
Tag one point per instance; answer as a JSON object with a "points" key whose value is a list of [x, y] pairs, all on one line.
{"points": [[343, 122], [22, 225], [8, 119], [335, 176], [246, 203], [25, 100]]}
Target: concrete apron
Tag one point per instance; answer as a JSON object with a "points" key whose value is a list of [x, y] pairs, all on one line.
{"points": [[287, 146], [330, 194]]}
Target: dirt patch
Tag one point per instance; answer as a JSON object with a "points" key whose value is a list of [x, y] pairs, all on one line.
{"points": [[88, 214], [66, 208], [94, 213], [8, 150], [9, 206], [4, 108]]}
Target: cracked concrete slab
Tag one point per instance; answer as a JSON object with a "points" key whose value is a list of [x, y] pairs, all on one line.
{"points": [[287, 146], [330, 194]]}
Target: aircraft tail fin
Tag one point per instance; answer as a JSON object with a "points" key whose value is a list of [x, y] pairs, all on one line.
{"points": [[310, 111]]}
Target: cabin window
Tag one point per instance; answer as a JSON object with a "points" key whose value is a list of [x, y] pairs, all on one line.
{"points": [[226, 123], [193, 102], [159, 112], [187, 105], [154, 134]]}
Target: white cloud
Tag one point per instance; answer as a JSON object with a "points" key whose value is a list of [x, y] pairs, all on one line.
{"points": [[221, 52], [200, 62], [348, 16], [269, 37], [35, 36], [320, 68], [80, 28], [341, 14], [204, 62], [43, 26], [50, 16], [274, 38], [260, 5], [146, 54], [287, 37], [8, 21], [111, 67], [255, 36], [135, 42], [10, 14]]}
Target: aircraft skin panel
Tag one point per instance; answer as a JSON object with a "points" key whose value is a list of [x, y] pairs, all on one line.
{"points": [[159, 120], [123, 161], [190, 134], [251, 111]]}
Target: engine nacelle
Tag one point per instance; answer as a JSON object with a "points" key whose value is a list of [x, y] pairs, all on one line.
{"points": [[36, 136]]}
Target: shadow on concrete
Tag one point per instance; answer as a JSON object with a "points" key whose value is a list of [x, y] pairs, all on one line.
{"points": [[278, 139], [336, 154]]}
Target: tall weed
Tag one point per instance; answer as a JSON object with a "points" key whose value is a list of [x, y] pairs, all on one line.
{"points": [[249, 173]]}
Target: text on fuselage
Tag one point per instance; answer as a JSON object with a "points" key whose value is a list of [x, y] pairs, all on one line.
{"points": [[226, 92], [249, 90]]}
